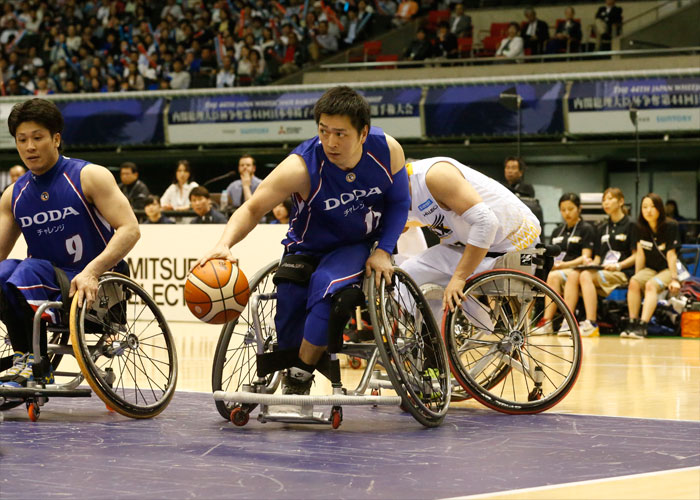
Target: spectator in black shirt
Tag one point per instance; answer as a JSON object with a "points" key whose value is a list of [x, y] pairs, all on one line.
{"points": [[420, 47], [568, 34], [153, 211], [200, 201], [535, 32], [134, 189], [513, 170], [608, 23], [655, 264], [615, 252], [671, 208], [576, 238]]}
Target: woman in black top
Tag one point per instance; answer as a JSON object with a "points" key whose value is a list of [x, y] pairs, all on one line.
{"points": [[655, 265], [615, 249], [576, 238]]}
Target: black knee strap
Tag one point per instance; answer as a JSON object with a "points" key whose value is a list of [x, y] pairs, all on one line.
{"points": [[342, 308], [295, 268], [64, 286]]}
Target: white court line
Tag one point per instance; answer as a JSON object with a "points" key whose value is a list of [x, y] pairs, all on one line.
{"points": [[643, 365], [575, 483]]}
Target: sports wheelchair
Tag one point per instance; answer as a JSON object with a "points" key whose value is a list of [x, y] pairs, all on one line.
{"points": [[498, 351], [407, 356], [122, 345]]}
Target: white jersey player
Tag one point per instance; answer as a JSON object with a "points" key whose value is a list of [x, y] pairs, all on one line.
{"points": [[476, 218]]}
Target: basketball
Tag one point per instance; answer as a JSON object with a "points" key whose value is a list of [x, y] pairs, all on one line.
{"points": [[217, 292]]}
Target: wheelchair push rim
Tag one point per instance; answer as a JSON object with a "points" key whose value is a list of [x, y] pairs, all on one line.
{"points": [[497, 352], [124, 348], [410, 345]]}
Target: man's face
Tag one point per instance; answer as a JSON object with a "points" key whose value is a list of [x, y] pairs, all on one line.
{"points": [[16, 172], [341, 142], [569, 13], [200, 204], [512, 172], [530, 15], [153, 211], [37, 148], [127, 176], [246, 165]]}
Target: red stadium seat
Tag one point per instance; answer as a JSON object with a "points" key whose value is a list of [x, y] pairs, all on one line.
{"points": [[464, 46], [435, 17], [371, 50], [387, 58]]}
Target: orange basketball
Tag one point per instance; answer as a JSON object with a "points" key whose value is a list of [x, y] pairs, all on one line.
{"points": [[217, 292]]}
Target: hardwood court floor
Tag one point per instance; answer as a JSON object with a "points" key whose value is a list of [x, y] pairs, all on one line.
{"points": [[656, 378]]}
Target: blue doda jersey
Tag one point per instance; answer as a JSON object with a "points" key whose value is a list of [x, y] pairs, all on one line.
{"points": [[58, 223], [344, 206]]}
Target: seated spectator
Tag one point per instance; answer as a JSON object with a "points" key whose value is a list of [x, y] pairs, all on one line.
{"points": [[134, 189], [200, 200], [259, 72], [241, 190], [226, 77], [460, 23], [153, 211], [654, 266], [15, 173], [282, 212], [513, 171], [615, 252], [406, 10], [177, 195], [323, 43], [511, 47], [607, 23], [445, 42], [352, 27], [293, 55], [671, 209], [179, 78], [420, 48], [568, 35], [576, 238], [535, 32]]}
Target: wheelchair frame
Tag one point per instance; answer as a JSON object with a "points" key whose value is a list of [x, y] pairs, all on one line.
{"points": [[393, 341], [117, 340]]}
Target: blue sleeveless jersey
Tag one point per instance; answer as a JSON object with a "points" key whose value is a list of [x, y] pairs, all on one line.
{"points": [[58, 223], [344, 207]]}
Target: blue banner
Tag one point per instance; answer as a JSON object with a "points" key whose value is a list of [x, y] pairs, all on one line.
{"points": [[280, 116], [113, 122], [480, 110]]}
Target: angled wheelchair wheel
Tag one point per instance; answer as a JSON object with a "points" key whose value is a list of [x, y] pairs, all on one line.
{"points": [[124, 348], [411, 347], [498, 353], [235, 359]]}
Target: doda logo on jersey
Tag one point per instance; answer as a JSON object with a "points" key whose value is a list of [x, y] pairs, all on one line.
{"points": [[345, 198], [50, 216]]}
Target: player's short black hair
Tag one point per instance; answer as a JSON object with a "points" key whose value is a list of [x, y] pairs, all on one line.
{"points": [[131, 166], [151, 199], [344, 101], [572, 197], [41, 111], [200, 191], [521, 162]]}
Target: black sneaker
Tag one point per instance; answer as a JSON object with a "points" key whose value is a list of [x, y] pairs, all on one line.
{"points": [[639, 332], [632, 326], [291, 385]]}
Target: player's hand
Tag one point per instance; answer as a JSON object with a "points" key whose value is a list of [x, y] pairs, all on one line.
{"points": [[380, 263], [612, 267], [587, 261], [218, 252], [85, 286], [454, 293], [558, 265], [674, 287]]}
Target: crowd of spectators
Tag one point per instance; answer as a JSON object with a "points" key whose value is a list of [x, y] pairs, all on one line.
{"points": [[69, 46], [531, 36]]}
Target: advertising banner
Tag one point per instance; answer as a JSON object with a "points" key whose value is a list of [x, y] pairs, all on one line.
{"points": [[491, 110], [279, 116], [661, 104]]}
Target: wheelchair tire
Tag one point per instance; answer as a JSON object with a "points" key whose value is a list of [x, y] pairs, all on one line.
{"points": [[124, 348], [235, 363], [497, 352], [411, 348]]}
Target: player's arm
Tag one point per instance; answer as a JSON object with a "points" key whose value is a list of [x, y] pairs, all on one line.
{"points": [[9, 230], [396, 205], [100, 189], [289, 177], [451, 190]]}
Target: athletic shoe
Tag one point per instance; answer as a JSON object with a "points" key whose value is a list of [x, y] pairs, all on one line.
{"points": [[589, 329], [639, 332], [564, 330], [631, 326], [544, 328], [27, 375], [430, 385], [19, 362], [295, 386]]}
